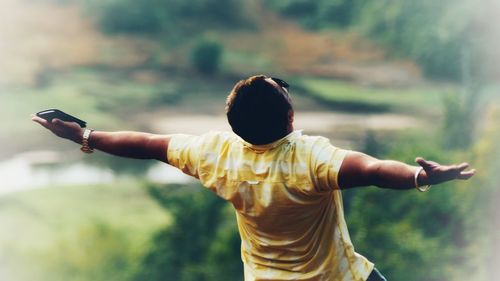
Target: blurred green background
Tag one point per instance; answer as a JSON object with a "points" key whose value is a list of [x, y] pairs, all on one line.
{"points": [[394, 79]]}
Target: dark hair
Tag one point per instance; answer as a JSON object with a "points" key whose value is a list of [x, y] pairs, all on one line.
{"points": [[258, 111]]}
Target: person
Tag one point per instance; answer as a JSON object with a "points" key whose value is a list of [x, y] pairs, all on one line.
{"points": [[285, 186]]}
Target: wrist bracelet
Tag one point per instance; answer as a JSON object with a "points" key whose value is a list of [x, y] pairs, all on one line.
{"points": [[85, 142], [423, 188]]}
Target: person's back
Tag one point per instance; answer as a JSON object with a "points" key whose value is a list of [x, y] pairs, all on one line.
{"points": [[287, 201]]}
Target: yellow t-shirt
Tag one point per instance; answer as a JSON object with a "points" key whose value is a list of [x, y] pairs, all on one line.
{"points": [[287, 201]]}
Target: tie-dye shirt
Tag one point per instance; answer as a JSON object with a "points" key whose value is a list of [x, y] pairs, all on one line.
{"points": [[287, 201]]}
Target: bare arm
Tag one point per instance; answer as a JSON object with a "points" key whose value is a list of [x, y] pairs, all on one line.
{"points": [[359, 169], [126, 144]]}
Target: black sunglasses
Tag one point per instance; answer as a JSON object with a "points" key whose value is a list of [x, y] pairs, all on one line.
{"points": [[281, 83]]}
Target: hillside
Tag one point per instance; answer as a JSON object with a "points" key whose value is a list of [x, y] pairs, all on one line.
{"points": [[44, 36]]}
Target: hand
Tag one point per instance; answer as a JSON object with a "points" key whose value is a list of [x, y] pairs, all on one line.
{"points": [[436, 173], [67, 130]]}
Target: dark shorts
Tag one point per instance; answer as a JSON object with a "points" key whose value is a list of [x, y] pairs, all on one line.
{"points": [[376, 276]]}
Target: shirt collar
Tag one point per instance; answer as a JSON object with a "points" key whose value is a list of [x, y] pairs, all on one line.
{"points": [[263, 147]]}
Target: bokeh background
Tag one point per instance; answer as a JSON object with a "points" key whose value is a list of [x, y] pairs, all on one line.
{"points": [[394, 79]]}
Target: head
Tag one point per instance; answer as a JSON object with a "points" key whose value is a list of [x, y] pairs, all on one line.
{"points": [[259, 109]]}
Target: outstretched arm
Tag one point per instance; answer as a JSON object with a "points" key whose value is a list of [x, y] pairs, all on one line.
{"points": [[126, 144], [359, 169]]}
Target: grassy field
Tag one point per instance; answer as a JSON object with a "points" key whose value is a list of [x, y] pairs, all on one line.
{"points": [[349, 96], [76, 228]]}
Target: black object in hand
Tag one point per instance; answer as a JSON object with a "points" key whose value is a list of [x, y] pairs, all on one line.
{"points": [[50, 114]]}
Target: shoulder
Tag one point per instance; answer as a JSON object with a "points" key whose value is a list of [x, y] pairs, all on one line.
{"points": [[316, 149], [215, 139], [184, 146], [321, 150], [209, 137], [210, 140], [313, 143]]}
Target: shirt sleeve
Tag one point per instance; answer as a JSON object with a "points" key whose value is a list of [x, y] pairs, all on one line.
{"points": [[184, 153], [326, 162]]}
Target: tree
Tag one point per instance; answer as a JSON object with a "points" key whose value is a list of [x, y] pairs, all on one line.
{"points": [[206, 56], [201, 243]]}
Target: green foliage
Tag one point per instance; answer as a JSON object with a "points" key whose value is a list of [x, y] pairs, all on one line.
{"points": [[206, 56], [461, 112], [76, 232], [131, 16], [119, 165], [318, 14], [223, 256], [201, 244], [373, 145], [459, 123], [343, 95], [96, 252], [167, 16], [397, 230], [431, 32]]}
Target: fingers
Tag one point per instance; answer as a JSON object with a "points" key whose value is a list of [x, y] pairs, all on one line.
{"points": [[427, 165], [466, 174], [420, 161], [462, 174], [52, 125], [66, 124], [45, 123], [41, 121], [58, 122], [461, 167], [38, 119], [448, 172]]}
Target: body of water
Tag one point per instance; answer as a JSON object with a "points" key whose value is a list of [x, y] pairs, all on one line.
{"points": [[42, 169]]}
